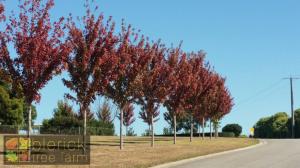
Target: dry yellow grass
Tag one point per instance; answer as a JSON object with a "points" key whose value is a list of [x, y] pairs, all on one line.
{"points": [[105, 151]]}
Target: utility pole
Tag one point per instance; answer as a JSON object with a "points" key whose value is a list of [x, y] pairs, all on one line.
{"points": [[292, 105]]}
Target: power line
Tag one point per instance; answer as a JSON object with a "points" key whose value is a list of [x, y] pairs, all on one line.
{"points": [[266, 96], [259, 93]]}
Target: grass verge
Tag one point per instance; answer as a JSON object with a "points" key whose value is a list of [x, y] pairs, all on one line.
{"points": [[138, 153]]}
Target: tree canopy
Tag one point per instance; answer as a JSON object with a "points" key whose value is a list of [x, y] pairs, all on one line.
{"points": [[234, 128], [124, 65], [275, 126]]}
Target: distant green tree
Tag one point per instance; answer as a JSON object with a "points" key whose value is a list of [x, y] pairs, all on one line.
{"points": [[297, 123], [263, 128], [98, 127], [104, 112], [275, 126], [104, 125], [64, 120], [11, 109], [146, 133], [12, 106], [130, 132], [279, 125], [235, 128], [4, 79], [167, 131]]}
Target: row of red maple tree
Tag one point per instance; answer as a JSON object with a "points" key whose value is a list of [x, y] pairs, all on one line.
{"points": [[123, 66]]}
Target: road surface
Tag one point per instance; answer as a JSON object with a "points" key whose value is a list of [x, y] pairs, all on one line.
{"points": [[275, 154]]}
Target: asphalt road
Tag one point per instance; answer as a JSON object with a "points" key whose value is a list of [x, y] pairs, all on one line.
{"points": [[275, 154]]}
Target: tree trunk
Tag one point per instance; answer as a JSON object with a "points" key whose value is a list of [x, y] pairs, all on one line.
{"points": [[152, 131], [210, 131], [174, 118], [216, 128], [84, 129], [203, 128], [84, 123], [29, 121], [29, 130], [215, 131], [149, 130], [192, 128], [199, 129], [126, 128], [121, 127]]}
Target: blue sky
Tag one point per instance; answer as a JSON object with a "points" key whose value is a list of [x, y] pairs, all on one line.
{"points": [[254, 44]]}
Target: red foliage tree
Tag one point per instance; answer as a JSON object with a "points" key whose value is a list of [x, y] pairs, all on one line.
{"points": [[201, 83], [104, 112], [129, 63], [146, 116], [128, 116], [91, 64], [217, 101], [179, 82], [40, 49], [2, 15], [154, 87], [208, 82]]}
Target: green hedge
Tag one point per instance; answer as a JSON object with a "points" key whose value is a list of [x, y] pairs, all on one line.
{"points": [[227, 134]]}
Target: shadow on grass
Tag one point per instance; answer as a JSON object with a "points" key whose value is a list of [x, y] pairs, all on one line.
{"points": [[116, 142], [94, 144], [119, 142], [133, 141]]}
